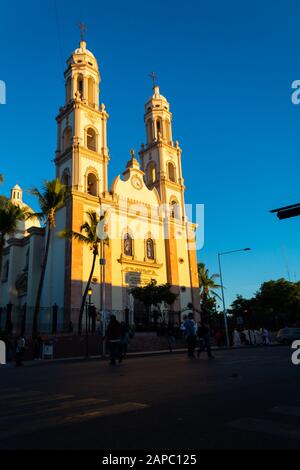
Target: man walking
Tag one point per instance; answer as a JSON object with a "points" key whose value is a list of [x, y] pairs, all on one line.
{"points": [[204, 337], [190, 328], [113, 335], [20, 350]]}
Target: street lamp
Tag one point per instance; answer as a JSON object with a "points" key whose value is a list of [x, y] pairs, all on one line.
{"points": [[222, 288], [287, 211], [87, 308]]}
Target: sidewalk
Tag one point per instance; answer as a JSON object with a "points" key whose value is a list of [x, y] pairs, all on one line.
{"points": [[129, 355]]}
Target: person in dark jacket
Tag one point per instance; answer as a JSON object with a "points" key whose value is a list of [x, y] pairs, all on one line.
{"points": [[113, 335], [204, 334]]}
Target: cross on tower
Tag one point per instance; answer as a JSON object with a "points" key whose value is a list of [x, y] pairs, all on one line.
{"points": [[154, 78], [82, 28]]}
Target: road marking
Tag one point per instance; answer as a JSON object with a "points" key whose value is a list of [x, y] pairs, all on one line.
{"points": [[266, 427], [60, 408], [238, 361], [37, 400], [20, 395], [21, 427], [107, 411], [286, 410]]}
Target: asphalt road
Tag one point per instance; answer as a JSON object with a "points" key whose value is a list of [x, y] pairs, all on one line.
{"points": [[244, 399]]}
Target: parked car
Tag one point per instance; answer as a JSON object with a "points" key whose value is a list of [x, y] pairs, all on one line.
{"points": [[288, 335]]}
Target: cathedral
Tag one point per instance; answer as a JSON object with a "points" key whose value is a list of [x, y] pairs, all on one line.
{"points": [[149, 237]]}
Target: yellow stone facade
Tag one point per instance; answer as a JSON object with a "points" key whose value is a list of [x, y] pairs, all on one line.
{"points": [[144, 205]]}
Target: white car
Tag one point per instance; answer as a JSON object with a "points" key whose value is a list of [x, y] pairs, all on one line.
{"points": [[288, 335]]}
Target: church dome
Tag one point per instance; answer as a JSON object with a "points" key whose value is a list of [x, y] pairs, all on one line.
{"points": [[156, 95], [83, 56], [157, 100], [83, 50], [16, 198]]}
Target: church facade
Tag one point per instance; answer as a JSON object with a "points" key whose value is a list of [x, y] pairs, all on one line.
{"points": [[149, 237]]}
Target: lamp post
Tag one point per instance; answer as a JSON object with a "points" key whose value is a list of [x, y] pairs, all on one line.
{"points": [[222, 288], [101, 233], [87, 309], [102, 293]]}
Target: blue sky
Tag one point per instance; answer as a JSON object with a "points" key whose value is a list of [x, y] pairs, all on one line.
{"points": [[226, 68]]}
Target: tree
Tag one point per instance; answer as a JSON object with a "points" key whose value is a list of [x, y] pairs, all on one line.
{"points": [[89, 235], [10, 215], [279, 298], [207, 285], [207, 282], [153, 294], [275, 304], [51, 198], [1, 178]]}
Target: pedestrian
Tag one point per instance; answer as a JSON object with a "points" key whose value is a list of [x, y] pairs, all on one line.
{"points": [[218, 337], [190, 328], [37, 347], [124, 339], [258, 338], [264, 335], [113, 336], [247, 336], [170, 333], [20, 350], [204, 336], [236, 338]]}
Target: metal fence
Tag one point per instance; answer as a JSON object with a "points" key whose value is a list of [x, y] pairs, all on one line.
{"points": [[54, 320]]}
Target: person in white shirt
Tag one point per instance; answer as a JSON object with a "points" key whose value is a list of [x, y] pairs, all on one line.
{"points": [[236, 337], [265, 335]]}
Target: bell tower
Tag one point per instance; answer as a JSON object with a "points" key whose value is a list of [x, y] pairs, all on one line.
{"points": [[82, 153], [161, 157], [81, 164], [161, 163]]}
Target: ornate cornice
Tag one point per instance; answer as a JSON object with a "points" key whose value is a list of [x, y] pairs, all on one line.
{"points": [[134, 262]]}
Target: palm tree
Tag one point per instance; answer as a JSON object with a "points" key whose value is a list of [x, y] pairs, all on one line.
{"points": [[51, 198], [10, 215], [207, 282], [88, 235]]}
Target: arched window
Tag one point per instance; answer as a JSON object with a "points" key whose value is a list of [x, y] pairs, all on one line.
{"points": [[174, 209], [151, 172], [80, 85], [158, 128], [91, 139], [67, 138], [127, 245], [171, 172], [91, 91], [66, 178], [92, 184], [149, 131], [150, 248]]}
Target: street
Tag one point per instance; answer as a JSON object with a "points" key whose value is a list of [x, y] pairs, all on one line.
{"points": [[246, 398]]}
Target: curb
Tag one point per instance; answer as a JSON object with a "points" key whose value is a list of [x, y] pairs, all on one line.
{"points": [[132, 355]]}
